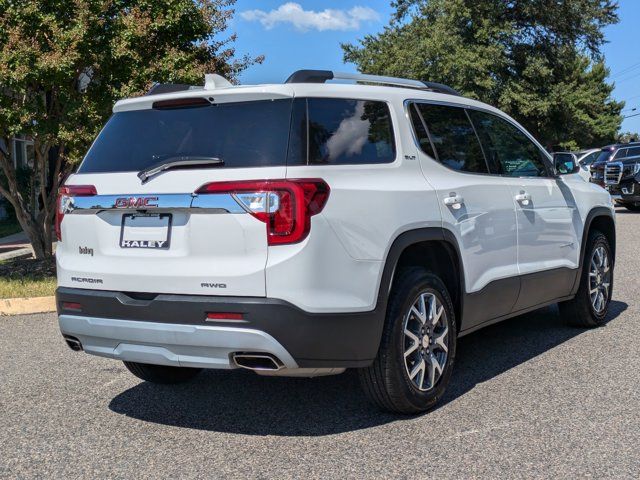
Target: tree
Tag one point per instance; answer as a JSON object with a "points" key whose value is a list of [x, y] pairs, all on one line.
{"points": [[63, 63], [627, 137], [538, 60]]}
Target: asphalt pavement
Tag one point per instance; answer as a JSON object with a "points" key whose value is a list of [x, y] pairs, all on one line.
{"points": [[530, 398]]}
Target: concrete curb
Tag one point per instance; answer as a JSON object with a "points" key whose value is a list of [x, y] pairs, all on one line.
{"points": [[21, 252], [21, 306]]}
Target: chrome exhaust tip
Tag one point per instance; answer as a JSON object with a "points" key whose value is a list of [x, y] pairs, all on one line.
{"points": [[73, 343], [259, 362]]}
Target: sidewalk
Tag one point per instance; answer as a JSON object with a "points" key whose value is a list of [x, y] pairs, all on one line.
{"points": [[16, 245], [15, 239]]}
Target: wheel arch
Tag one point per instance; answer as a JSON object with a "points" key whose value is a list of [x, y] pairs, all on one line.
{"points": [[601, 219], [434, 248]]}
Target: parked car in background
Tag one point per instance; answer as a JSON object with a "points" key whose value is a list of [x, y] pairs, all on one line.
{"points": [[585, 159], [608, 154], [622, 179]]}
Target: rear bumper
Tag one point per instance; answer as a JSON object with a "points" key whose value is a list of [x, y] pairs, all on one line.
{"points": [[169, 344], [173, 328]]}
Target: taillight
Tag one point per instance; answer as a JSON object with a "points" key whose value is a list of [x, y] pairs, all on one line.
{"points": [[65, 194], [286, 206]]}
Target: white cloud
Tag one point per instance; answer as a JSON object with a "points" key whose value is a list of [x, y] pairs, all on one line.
{"points": [[304, 20]]}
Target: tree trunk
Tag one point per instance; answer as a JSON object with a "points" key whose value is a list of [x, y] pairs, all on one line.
{"points": [[35, 224], [39, 242]]}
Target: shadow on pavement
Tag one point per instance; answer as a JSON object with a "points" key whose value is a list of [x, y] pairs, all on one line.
{"points": [[624, 210], [493, 350], [244, 403]]}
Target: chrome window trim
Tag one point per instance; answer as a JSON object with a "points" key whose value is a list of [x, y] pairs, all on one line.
{"points": [[407, 103], [163, 202]]}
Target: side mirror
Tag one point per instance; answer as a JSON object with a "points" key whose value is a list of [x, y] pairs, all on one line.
{"points": [[565, 163]]}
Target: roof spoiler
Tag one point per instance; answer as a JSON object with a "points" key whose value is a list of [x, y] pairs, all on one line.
{"points": [[211, 82]]}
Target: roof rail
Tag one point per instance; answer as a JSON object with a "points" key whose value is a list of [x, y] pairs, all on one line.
{"points": [[321, 76]]}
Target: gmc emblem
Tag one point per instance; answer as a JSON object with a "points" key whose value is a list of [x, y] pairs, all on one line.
{"points": [[136, 202]]}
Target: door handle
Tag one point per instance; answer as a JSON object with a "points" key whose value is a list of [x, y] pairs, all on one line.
{"points": [[454, 201], [523, 197]]}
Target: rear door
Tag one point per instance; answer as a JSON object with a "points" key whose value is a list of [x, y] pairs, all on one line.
{"points": [[475, 205], [160, 235], [549, 223]]}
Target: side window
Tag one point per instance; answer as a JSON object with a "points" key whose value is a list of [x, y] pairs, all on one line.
{"points": [[622, 153], [453, 137], [507, 147], [421, 132], [634, 152], [343, 131]]}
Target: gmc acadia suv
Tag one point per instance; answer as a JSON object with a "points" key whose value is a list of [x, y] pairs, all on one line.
{"points": [[309, 227]]}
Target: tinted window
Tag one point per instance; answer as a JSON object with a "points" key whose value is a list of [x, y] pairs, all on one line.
{"points": [[453, 137], [588, 160], [507, 147], [349, 132], [421, 133], [298, 138], [620, 153], [244, 134], [633, 152], [604, 155]]}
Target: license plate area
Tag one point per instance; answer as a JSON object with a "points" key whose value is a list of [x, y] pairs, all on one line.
{"points": [[142, 230]]}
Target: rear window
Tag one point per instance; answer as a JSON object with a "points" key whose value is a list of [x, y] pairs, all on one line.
{"points": [[243, 134], [335, 131]]}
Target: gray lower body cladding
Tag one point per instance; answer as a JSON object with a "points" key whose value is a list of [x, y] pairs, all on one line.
{"points": [[314, 340]]}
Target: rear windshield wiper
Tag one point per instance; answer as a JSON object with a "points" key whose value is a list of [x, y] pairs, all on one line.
{"points": [[184, 161]]}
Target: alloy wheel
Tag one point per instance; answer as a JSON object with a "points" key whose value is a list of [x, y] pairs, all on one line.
{"points": [[599, 279], [426, 336]]}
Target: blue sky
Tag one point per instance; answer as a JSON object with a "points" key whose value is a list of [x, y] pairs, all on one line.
{"points": [[308, 33]]}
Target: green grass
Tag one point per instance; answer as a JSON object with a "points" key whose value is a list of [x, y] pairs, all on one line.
{"points": [[27, 278], [27, 287], [7, 228]]}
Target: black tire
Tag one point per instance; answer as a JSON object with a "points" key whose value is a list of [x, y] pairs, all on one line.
{"points": [[632, 207], [161, 373], [386, 382], [580, 312]]}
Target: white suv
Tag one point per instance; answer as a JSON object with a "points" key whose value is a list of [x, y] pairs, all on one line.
{"points": [[309, 227]]}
